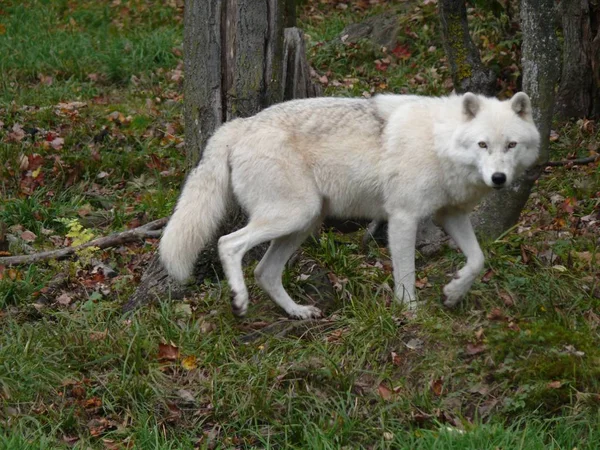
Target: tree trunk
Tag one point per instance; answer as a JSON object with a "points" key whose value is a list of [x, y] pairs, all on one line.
{"points": [[540, 63], [235, 65], [468, 72], [579, 92]]}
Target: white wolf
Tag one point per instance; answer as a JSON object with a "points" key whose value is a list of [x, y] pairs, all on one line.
{"points": [[393, 157]]}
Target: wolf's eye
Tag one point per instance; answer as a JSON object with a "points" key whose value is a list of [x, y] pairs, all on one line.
{"points": [[512, 144], [482, 144]]}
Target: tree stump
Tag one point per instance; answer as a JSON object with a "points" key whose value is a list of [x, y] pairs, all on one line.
{"points": [[236, 63]]}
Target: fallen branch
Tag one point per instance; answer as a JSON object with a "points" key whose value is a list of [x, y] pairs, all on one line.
{"points": [[149, 230], [572, 162]]}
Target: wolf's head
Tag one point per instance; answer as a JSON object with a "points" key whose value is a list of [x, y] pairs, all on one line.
{"points": [[499, 137]]}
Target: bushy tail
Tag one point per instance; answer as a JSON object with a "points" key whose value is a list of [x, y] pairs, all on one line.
{"points": [[199, 211]]}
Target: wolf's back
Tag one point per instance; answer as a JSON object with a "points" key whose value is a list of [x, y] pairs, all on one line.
{"points": [[200, 208]]}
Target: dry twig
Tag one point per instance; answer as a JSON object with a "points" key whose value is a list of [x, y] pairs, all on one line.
{"points": [[149, 230]]}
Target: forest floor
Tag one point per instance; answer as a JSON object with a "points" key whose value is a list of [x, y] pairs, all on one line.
{"points": [[91, 139]]}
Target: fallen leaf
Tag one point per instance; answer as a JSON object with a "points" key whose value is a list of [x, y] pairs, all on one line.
{"points": [[513, 326], [414, 344], [479, 334], [57, 143], [186, 396], [64, 299], [28, 236], [487, 276], [401, 51], [507, 298], [421, 283], [168, 352], [385, 392], [91, 403], [189, 362], [98, 335], [17, 134], [207, 327], [437, 386], [496, 314], [474, 349], [396, 359]]}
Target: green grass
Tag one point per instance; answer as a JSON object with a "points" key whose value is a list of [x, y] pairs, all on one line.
{"points": [[514, 366]]}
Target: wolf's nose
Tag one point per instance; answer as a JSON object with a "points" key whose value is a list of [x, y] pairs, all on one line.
{"points": [[498, 178]]}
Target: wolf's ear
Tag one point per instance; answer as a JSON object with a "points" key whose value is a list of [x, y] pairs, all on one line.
{"points": [[521, 104], [470, 105]]}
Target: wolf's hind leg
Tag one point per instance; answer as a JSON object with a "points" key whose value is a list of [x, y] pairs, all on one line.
{"points": [[459, 228], [269, 270], [261, 228]]}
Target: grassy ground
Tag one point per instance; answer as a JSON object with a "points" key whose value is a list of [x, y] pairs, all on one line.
{"points": [[91, 132]]}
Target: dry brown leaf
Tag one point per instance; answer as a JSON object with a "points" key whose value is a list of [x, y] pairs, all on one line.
{"points": [[507, 298], [98, 335], [28, 236], [496, 314], [474, 349], [384, 392], [168, 352], [487, 276], [64, 299], [437, 386]]}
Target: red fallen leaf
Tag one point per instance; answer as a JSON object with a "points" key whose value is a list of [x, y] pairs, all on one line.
{"points": [[380, 65], [385, 392], [168, 352], [554, 385], [496, 314], [474, 349], [401, 51], [487, 276], [437, 386], [34, 161]]}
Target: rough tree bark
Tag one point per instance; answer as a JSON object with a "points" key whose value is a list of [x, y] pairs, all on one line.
{"points": [[540, 63], [235, 65], [579, 92], [468, 72]]}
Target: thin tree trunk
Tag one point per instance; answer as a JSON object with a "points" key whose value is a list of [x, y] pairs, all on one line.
{"points": [[540, 62], [579, 92], [468, 72]]}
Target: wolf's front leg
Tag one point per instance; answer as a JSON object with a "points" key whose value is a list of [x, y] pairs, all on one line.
{"points": [[402, 238], [459, 227]]}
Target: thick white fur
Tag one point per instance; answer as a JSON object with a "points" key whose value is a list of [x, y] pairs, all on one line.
{"points": [[395, 158]]}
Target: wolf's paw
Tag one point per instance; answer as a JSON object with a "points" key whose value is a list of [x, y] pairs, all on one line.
{"points": [[453, 293], [304, 312], [239, 304]]}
